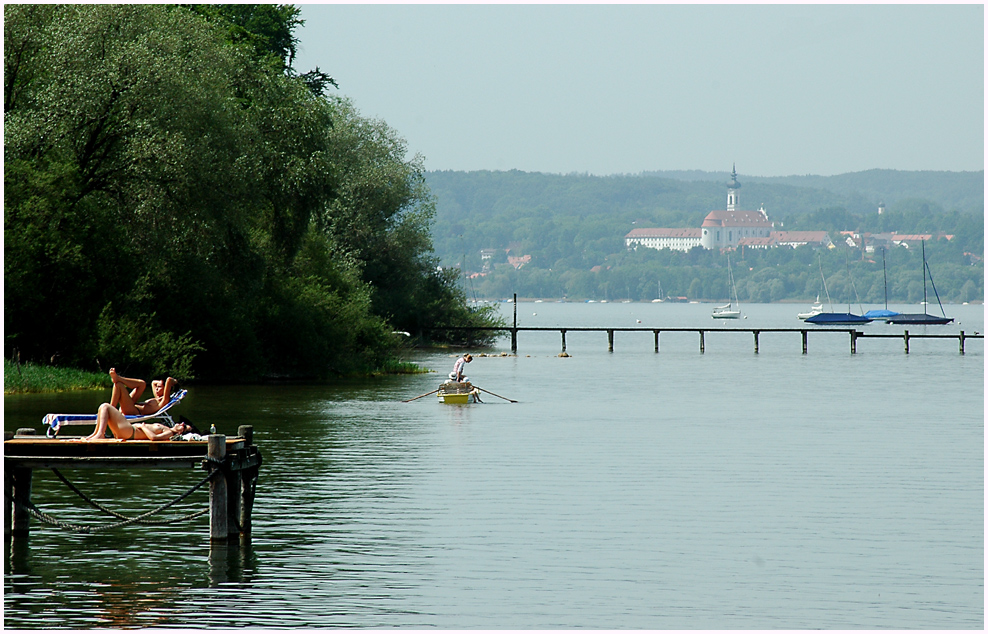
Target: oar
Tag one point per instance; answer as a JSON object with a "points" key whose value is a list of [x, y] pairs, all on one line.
{"points": [[418, 397], [493, 394]]}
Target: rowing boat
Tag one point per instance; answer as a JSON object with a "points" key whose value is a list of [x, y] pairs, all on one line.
{"points": [[456, 393]]}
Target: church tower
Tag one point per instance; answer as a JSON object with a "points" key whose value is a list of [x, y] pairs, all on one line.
{"points": [[733, 202]]}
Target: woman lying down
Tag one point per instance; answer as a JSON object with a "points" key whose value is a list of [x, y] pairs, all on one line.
{"points": [[122, 429]]}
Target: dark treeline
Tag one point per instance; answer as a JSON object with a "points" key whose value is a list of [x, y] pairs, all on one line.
{"points": [[573, 224], [178, 199]]}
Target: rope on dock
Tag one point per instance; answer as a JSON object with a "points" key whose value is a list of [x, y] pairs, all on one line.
{"points": [[142, 519]]}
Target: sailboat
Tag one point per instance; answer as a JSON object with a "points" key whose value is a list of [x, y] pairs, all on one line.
{"points": [[815, 309], [837, 319], [883, 314], [923, 318], [728, 311]]}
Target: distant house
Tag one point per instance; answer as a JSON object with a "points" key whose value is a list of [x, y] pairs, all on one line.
{"points": [[519, 262], [815, 239], [908, 241]]}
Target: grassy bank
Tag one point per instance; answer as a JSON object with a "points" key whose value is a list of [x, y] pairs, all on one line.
{"points": [[30, 377]]}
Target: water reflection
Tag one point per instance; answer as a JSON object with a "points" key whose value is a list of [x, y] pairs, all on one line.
{"points": [[232, 562]]}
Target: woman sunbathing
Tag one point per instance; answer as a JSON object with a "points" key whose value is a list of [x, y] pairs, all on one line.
{"points": [[126, 392], [122, 429]]}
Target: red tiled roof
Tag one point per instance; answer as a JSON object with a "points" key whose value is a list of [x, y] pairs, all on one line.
{"points": [[736, 219]]}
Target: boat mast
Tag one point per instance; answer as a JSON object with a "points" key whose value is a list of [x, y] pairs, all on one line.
{"points": [[924, 276], [886, 278]]}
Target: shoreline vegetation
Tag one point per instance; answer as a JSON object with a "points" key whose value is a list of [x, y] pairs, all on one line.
{"points": [[232, 224], [34, 378]]}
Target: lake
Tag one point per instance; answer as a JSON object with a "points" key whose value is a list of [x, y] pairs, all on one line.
{"points": [[678, 490]]}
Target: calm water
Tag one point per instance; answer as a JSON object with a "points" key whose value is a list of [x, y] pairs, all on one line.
{"points": [[624, 490]]}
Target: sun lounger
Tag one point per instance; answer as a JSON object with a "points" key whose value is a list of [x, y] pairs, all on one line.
{"points": [[55, 422]]}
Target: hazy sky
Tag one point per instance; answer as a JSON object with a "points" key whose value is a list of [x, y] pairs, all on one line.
{"points": [[609, 89]]}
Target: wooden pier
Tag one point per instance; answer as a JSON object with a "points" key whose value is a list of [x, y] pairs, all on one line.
{"points": [[755, 333], [231, 464], [853, 334]]}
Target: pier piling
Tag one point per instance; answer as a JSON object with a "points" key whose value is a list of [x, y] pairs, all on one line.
{"points": [[218, 505], [610, 341]]}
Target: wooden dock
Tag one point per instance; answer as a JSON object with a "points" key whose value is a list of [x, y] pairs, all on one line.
{"points": [[231, 465], [853, 334]]}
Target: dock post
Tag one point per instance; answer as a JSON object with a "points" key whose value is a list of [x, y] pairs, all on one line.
{"points": [[563, 333], [656, 340], [756, 341], [803, 332], [905, 338], [20, 498], [514, 325], [960, 339], [610, 341], [17, 494], [854, 341], [245, 492], [218, 508], [234, 487], [701, 342]]}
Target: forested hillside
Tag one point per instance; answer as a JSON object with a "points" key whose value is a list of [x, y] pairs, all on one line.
{"points": [[179, 199], [573, 227]]}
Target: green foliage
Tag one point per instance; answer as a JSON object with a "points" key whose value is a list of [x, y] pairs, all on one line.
{"points": [[179, 201]]}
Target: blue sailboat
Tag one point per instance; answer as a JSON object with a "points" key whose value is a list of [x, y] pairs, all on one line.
{"points": [[836, 319], [923, 318]]}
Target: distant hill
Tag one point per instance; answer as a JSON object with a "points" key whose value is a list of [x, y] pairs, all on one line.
{"points": [[963, 191], [572, 225]]}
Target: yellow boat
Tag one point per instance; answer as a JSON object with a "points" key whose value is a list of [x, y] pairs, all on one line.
{"points": [[457, 393]]}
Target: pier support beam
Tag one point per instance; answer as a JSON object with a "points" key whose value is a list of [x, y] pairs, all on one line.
{"points": [[961, 341], [656, 332], [756, 341], [854, 342], [701, 342], [905, 339], [610, 341], [218, 506], [246, 490], [803, 332], [563, 333]]}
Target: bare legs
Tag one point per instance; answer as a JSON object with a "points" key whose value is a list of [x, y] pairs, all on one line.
{"points": [[109, 416], [121, 396]]}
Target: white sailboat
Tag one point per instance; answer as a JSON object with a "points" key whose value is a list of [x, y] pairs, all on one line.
{"points": [[728, 311], [814, 310]]}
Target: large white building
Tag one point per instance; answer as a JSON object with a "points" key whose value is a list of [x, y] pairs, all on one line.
{"points": [[720, 229]]}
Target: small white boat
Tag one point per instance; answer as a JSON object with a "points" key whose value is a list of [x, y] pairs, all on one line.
{"points": [[725, 312], [728, 311], [815, 310]]}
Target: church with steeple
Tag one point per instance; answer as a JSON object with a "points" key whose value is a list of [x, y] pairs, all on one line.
{"points": [[723, 229], [726, 228]]}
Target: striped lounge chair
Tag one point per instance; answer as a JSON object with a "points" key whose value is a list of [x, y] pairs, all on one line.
{"points": [[54, 422]]}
